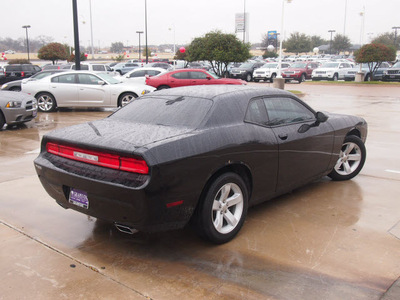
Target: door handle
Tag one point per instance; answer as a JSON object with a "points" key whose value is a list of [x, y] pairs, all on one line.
{"points": [[283, 136]]}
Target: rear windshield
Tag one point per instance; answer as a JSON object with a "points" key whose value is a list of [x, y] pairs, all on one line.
{"points": [[177, 111]]}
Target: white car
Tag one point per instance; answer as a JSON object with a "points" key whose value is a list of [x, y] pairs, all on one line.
{"points": [[331, 71], [139, 75], [268, 71], [82, 89]]}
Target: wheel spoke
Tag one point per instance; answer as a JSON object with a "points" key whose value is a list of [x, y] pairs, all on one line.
{"points": [[225, 192], [235, 199], [216, 205], [230, 218], [354, 157], [348, 149], [347, 167], [219, 221]]}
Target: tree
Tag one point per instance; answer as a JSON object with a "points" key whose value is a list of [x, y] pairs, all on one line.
{"points": [[117, 47], [53, 52], [179, 55], [297, 42], [374, 55], [341, 43], [219, 49], [387, 39], [316, 41]]}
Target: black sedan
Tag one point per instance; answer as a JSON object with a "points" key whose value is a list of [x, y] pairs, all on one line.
{"points": [[202, 154]]}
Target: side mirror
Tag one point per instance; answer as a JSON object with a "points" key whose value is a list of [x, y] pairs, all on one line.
{"points": [[208, 77], [321, 117], [101, 82]]}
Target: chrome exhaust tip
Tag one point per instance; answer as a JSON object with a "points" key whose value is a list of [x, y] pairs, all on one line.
{"points": [[125, 228]]}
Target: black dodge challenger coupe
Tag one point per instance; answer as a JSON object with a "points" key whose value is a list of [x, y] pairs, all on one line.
{"points": [[202, 154]]}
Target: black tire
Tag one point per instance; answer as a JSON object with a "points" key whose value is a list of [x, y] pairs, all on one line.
{"points": [[221, 214], [249, 77], [302, 78], [2, 120], [163, 87], [351, 159], [46, 102], [272, 77], [125, 98], [335, 77]]}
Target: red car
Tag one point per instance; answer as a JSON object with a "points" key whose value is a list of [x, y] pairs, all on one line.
{"points": [[299, 71], [185, 77]]}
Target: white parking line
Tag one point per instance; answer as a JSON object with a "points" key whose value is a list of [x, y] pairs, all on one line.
{"points": [[393, 171]]}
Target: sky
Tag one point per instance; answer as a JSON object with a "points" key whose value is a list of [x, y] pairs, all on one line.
{"points": [[180, 21]]}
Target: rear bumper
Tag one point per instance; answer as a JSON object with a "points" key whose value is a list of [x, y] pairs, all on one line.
{"points": [[130, 201]]}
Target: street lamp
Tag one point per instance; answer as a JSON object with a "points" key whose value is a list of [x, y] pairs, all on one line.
{"points": [[139, 32], [395, 34], [280, 82], [91, 28], [330, 43], [27, 39], [145, 25]]}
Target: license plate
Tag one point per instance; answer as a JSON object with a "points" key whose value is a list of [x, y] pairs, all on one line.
{"points": [[79, 198], [12, 74]]}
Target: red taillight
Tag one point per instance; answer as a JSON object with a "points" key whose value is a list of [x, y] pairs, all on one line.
{"points": [[22, 74], [107, 160]]}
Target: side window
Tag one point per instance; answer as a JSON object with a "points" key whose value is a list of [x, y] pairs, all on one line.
{"points": [[98, 68], [181, 75], [87, 79], [140, 73], [286, 111], [198, 75], [256, 112], [69, 78], [153, 72]]}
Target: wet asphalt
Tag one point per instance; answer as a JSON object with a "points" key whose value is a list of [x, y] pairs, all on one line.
{"points": [[327, 240]]}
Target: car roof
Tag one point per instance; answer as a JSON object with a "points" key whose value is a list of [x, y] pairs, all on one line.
{"points": [[217, 91]]}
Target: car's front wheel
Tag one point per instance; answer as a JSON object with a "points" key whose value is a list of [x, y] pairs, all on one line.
{"points": [[2, 120], [351, 159], [272, 77], [125, 98], [302, 78], [222, 211], [46, 102]]}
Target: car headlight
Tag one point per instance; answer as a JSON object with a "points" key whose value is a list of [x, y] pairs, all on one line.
{"points": [[14, 104], [4, 86], [144, 92]]}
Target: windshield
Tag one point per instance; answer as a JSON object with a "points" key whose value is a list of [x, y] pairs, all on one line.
{"points": [[396, 65], [330, 65], [178, 111], [246, 65], [298, 65], [270, 66], [108, 78]]}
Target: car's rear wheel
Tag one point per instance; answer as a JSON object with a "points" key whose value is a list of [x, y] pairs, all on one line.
{"points": [[249, 77], [46, 102], [163, 87], [125, 98], [222, 211], [351, 159]]}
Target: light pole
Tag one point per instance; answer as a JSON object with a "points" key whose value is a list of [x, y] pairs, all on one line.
{"points": [[91, 27], [330, 43], [27, 39], [145, 25], [395, 34], [139, 32], [280, 82]]}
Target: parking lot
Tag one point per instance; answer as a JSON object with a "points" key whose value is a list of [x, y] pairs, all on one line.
{"points": [[328, 240]]}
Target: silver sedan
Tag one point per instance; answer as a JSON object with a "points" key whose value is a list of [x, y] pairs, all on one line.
{"points": [[16, 108], [82, 89]]}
